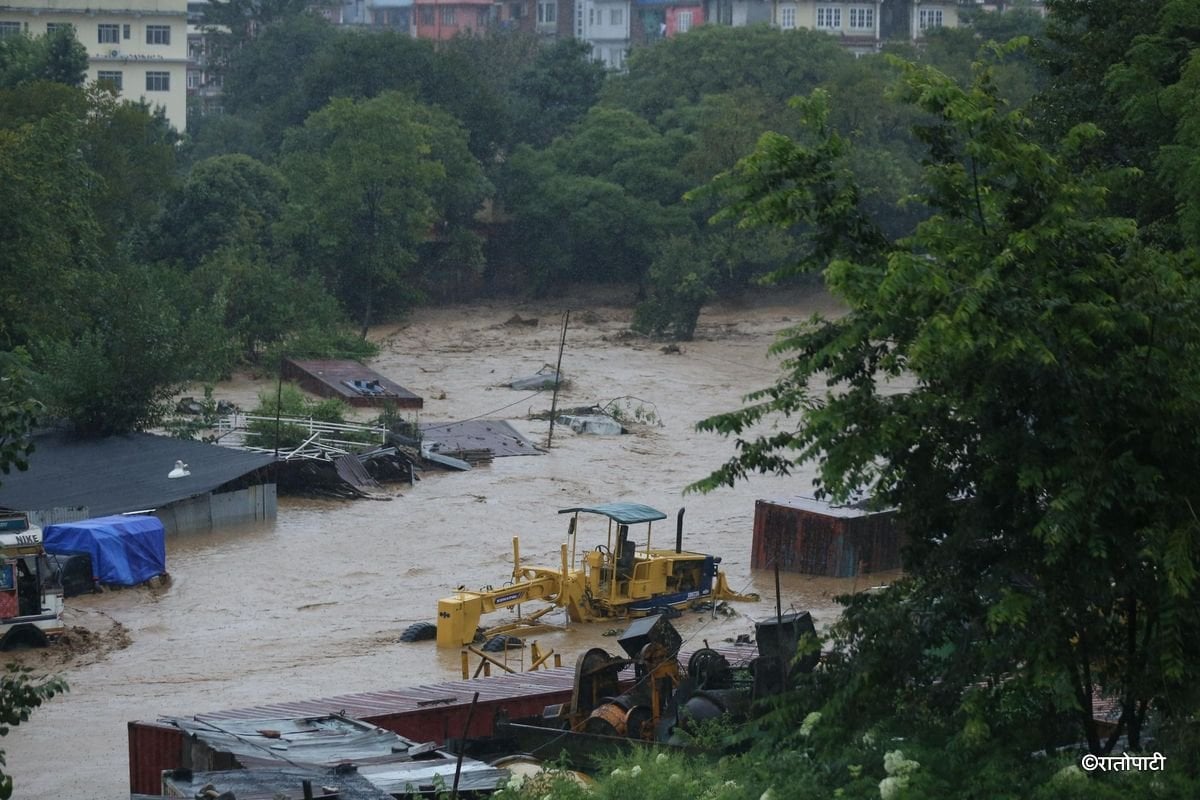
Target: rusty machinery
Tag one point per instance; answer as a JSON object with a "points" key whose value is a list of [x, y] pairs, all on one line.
{"points": [[662, 696]]}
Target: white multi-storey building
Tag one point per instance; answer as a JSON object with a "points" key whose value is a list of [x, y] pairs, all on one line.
{"points": [[604, 24], [137, 46]]}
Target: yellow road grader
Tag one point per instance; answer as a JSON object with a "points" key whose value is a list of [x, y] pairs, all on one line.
{"points": [[615, 580]]}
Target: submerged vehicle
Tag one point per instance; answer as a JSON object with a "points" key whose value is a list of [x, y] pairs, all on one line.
{"points": [[31, 597], [615, 579]]}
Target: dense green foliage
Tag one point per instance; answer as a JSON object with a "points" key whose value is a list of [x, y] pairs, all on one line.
{"points": [[56, 57], [355, 174]]}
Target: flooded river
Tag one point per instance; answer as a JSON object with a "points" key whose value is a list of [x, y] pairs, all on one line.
{"points": [[312, 605]]}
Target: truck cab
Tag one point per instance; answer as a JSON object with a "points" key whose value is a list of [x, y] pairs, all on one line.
{"points": [[31, 597]]}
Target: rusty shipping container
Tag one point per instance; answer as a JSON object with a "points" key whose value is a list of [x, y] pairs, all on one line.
{"points": [[817, 538]]}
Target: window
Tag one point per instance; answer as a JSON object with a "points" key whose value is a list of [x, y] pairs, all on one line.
{"points": [[427, 17], [829, 17], [787, 18], [862, 18], [591, 16], [108, 34], [447, 16], [514, 12], [112, 77], [931, 18], [125, 32], [193, 79], [547, 13], [158, 34], [158, 81], [10, 29], [683, 22], [616, 16], [52, 27]]}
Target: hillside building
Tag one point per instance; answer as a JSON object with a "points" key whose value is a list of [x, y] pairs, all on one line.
{"points": [[138, 47]]}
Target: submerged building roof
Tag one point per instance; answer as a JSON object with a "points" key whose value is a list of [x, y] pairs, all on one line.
{"points": [[350, 382], [119, 474]]}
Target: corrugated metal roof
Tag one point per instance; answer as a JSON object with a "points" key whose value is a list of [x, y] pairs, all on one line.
{"points": [[267, 784], [381, 756], [369, 705], [621, 513], [825, 508], [496, 435], [350, 381], [118, 474]]}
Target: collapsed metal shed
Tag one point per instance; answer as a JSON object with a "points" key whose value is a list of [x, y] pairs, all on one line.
{"points": [[802, 534]]}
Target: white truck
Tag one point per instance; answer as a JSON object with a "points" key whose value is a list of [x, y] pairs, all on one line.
{"points": [[31, 597]]}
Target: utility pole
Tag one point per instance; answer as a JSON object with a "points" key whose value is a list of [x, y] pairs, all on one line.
{"points": [[562, 343]]}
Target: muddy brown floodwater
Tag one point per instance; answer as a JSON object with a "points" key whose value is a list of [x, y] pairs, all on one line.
{"points": [[312, 605]]}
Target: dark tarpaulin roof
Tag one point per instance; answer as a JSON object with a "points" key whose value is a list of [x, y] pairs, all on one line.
{"points": [[118, 474]]}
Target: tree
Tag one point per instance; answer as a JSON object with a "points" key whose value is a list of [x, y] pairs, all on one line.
{"points": [[714, 58], [1155, 85], [554, 92], [18, 410], [234, 23], [50, 243], [265, 82], [225, 201], [262, 305], [57, 57], [594, 205], [1040, 462], [1085, 39], [680, 284], [130, 149], [118, 372], [365, 180]]}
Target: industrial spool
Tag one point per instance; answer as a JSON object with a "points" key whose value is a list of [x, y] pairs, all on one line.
{"points": [[619, 717]]}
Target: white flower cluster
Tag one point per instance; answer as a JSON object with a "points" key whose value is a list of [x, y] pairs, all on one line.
{"points": [[810, 722], [898, 769]]}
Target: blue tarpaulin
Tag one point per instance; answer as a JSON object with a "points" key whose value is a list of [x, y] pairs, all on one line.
{"points": [[125, 550]]}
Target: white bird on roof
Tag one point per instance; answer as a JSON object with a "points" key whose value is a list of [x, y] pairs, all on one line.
{"points": [[180, 471]]}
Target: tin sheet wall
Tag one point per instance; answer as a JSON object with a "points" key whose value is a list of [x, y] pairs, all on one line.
{"points": [[807, 541]]}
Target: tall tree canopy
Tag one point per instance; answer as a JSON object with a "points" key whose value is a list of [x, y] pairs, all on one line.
{"points": [[367, 190], [57, 57], [1041, 462]]}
